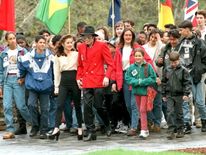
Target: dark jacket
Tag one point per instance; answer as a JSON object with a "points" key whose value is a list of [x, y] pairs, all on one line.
{"points": [[176, 82], [165, 51], [196, 63]]}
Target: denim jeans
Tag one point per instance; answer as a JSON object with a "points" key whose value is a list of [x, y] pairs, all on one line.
{"points": [[198, 91], [12, 90], [52, 111], [156, 114], [131, 105], [186, 112], [42, 121]]}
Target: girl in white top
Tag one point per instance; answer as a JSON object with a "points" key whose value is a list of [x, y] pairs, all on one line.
{"points": [[65, 67]]}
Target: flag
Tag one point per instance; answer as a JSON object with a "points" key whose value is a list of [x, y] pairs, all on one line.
{"points": [[117, 15], [7, 15], [165, 14], [191, 7], [53, 13]]}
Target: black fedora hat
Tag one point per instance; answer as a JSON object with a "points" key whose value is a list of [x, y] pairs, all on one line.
{"points": [[89, 30], [111, 42]]}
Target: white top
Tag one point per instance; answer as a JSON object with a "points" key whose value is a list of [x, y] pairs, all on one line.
{"points": [[203, 33], [126, 52], [64, 63], [12, 60], [151, 51]]}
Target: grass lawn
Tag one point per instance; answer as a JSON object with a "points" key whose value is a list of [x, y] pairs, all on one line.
{"points": [[128, 152]]}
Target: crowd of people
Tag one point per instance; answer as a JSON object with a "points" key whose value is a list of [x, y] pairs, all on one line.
{"points": [[128, 83]]}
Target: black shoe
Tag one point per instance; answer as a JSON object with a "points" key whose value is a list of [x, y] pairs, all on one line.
{"points": [[53, 136], [90, 137], [21, 131], [49, 132], [33, 132], [73, 131], [203, 129], [43, 136], [79, 137], [187, 129], [171, 135], [108, 131], [180, 134], [85, 133], [103, 129]]}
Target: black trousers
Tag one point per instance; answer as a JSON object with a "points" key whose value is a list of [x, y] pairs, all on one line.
{"points": [[94, 97], [69, 87], [116, 109], [175, 120]]}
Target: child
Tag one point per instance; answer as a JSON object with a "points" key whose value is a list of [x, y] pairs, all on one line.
{"points": [[135, 76], [10, 86], [176, 88], [36, 67]]}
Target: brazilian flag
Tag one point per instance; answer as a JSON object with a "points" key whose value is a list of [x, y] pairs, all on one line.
{"points": [[53, 13]]}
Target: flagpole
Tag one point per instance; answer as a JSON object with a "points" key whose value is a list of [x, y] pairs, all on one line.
{"points": [[158, 7], [69, 20], [113, 16]]}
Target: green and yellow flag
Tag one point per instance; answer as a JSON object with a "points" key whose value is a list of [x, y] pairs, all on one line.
{"points": [[53, 13], [165, 14]]}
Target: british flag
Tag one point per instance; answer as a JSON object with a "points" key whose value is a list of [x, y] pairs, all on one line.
{"points": [[191, 6]]}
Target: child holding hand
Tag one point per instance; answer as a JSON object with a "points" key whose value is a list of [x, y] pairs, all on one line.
{"points": [[135, 76]]}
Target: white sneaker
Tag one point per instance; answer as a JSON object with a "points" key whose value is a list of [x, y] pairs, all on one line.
{"points": [[63, 126], [144, 133], [164, 125], [121, 127]]}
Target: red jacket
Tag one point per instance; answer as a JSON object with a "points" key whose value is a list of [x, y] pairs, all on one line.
{"points": [[91, 62], [117, 74]]}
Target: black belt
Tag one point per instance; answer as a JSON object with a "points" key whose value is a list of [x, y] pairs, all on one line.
{"points": [[12, 73]]}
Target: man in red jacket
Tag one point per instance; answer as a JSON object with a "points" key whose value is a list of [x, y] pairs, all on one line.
{"points": [[92, 77]]}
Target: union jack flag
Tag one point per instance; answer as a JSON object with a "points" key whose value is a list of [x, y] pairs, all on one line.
{"points": [[191, 6]]}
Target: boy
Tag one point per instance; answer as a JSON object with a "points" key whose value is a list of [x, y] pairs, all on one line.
{"points": [[176, 87]]}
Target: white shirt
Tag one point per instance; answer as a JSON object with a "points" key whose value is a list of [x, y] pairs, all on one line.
{"points": [[64, 63], [126, 52], [12, 60], [203, 33], [151, 51]]}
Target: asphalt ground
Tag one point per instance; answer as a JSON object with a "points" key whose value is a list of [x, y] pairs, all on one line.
{"points": [[69, 145]]}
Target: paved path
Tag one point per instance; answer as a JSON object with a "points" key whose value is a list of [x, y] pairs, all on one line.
{"points": [[68, 145]]}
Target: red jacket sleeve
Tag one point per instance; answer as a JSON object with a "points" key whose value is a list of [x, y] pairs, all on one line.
{"points": [[108, 60]]}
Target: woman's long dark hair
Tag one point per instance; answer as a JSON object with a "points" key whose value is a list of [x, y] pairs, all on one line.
{"points": [[60, 48], [122, 42]]}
